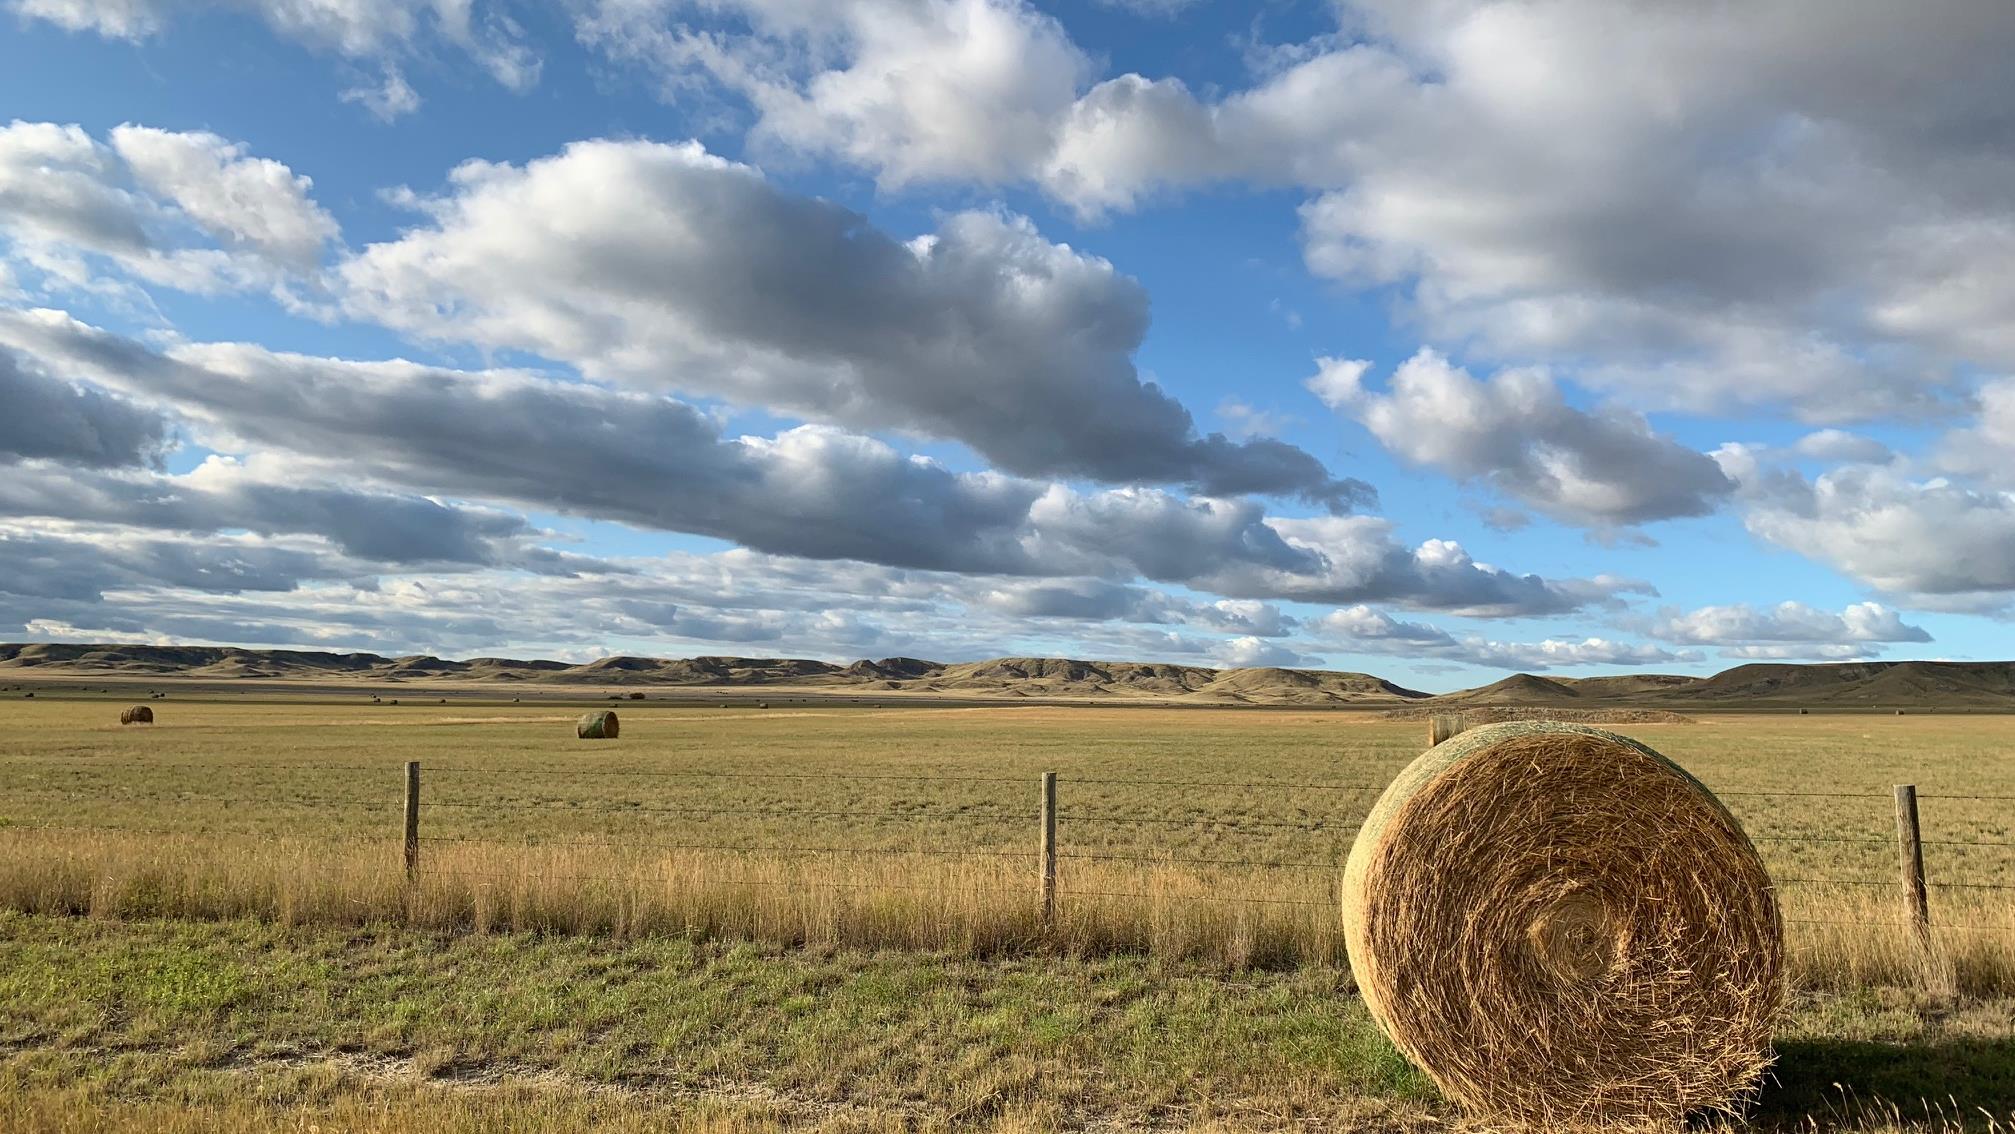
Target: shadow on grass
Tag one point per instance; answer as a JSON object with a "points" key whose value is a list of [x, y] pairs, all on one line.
{"points": [[1835, 1081]]}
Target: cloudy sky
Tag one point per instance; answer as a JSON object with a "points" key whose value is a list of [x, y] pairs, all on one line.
{"points": [[1437, 338]]}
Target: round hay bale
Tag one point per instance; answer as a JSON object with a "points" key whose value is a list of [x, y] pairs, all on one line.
{"points": [[1442, 726], [1561, 927], [138, 714], [598, 725]]}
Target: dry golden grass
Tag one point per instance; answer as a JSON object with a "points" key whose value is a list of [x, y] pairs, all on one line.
{"points": [[913, 827]]}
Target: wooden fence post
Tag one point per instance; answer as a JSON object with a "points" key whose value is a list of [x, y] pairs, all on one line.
{"points": [[1910, 848], [1442, 726], [1048, 849], [412, 820]]}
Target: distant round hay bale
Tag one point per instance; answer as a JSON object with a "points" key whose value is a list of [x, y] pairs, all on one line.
{"points": [[1442, 726], [1561, 927], [138, 714], [598, 725]]}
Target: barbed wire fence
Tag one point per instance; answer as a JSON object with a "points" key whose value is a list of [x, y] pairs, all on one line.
{"points": [[1050, 851], [1051, 883], [1913, 883]]}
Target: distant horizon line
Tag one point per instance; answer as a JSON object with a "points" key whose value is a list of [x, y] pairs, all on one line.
{"points": [[1544, 674]]}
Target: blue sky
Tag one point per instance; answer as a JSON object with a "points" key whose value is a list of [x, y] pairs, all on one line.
{"points": [[1437, 341]]}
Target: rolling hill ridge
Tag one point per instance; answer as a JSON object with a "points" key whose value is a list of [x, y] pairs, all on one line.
{"points": [[1900, 684], [1058, 678]]}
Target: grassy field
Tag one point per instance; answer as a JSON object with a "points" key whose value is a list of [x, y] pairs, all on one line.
{"points": [[1189, 834], [735, 919], [255, 1026]]}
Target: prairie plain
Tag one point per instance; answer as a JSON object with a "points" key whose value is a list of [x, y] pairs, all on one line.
{"points": [[736, 918]]}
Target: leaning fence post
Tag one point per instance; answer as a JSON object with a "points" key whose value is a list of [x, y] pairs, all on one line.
{"points": [[1910, 847], [412, 820], [1048, 849]]}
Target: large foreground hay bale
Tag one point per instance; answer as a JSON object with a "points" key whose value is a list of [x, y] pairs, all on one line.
{"points": [[1561, 927], [599, 725], [138, 714]]}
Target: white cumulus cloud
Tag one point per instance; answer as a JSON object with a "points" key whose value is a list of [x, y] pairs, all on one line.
{"points": [[1516, 432]]}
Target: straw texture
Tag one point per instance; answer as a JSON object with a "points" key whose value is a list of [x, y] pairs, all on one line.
{"points": [[598, 725], [1562, 928]]}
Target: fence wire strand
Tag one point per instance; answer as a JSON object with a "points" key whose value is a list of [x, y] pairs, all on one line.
{"points": [[1156, 860], [891, 852], [1235, 821], [710, 880], [361, 840], [1062, 893], [659, 773], [985, 811], [1264, 784]]}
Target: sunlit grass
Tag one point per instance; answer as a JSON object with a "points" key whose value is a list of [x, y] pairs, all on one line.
{"points": [[914, 828]]}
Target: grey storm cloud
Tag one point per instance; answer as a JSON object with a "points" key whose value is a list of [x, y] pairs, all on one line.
{"points": [[48, 418], [391, 528], [812, 491], [83, 567], [1600, 468], [637, 458], [1163, 536], [657, 599], [663, 266], [1362, 563], [703, 624], [1090, 599]]}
